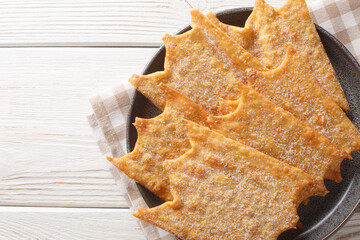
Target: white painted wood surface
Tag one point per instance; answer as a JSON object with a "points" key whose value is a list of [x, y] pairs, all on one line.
{"points": [[99, 23], [51, 156], [54, 183], [69, 223]]}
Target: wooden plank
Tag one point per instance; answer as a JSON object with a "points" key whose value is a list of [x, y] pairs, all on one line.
{"points": [[48, 153], [76, 223], [100, 23], [68, 223], [351, 229]]}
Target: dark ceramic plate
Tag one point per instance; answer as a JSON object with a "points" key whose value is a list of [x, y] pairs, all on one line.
{"points": [[322, 216]]}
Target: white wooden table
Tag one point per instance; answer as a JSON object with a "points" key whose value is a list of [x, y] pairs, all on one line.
{"points": [[54, 183]]}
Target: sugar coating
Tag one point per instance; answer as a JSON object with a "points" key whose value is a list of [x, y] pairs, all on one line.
{"points": [[292, 87], [203, 64], [219, 188], [266, 32], [259, 123], [161, 138], [225, 190]]}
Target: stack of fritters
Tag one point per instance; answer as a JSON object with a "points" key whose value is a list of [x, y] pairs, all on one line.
{"points": [[253, 123]]}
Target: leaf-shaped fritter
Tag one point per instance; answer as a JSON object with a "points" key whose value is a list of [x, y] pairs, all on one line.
{"points": [[160, 138], [266, 32], [292, 87], [259, 123], [203, 64], [225, 190]]}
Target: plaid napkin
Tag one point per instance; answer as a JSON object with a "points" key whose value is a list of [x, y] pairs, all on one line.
{"points": [[108, 122], [342, 19]]}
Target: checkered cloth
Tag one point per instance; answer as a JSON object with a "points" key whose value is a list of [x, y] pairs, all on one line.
{"points": [[342, 19], [108, 122]]}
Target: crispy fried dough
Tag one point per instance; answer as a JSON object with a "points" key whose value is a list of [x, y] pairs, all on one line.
{"points": [[259, 123], [266, 32], [203, 64], [160, 138], [292, 87], [225, 190], [307, 39]]}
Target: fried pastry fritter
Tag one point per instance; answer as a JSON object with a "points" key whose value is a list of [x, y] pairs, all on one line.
{"points": [[292, 87], [259, 123], [268, 29], [225, 190], [160, 138], [203, 64]]}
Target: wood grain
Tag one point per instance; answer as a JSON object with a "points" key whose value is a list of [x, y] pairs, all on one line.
{"points": [[67, 223], [49, 155], [351, 230], [99, 23], [77, 223]]}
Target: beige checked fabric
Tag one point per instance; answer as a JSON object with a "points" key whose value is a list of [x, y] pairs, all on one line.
{"points": [[342, 19], [110, 107]]}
